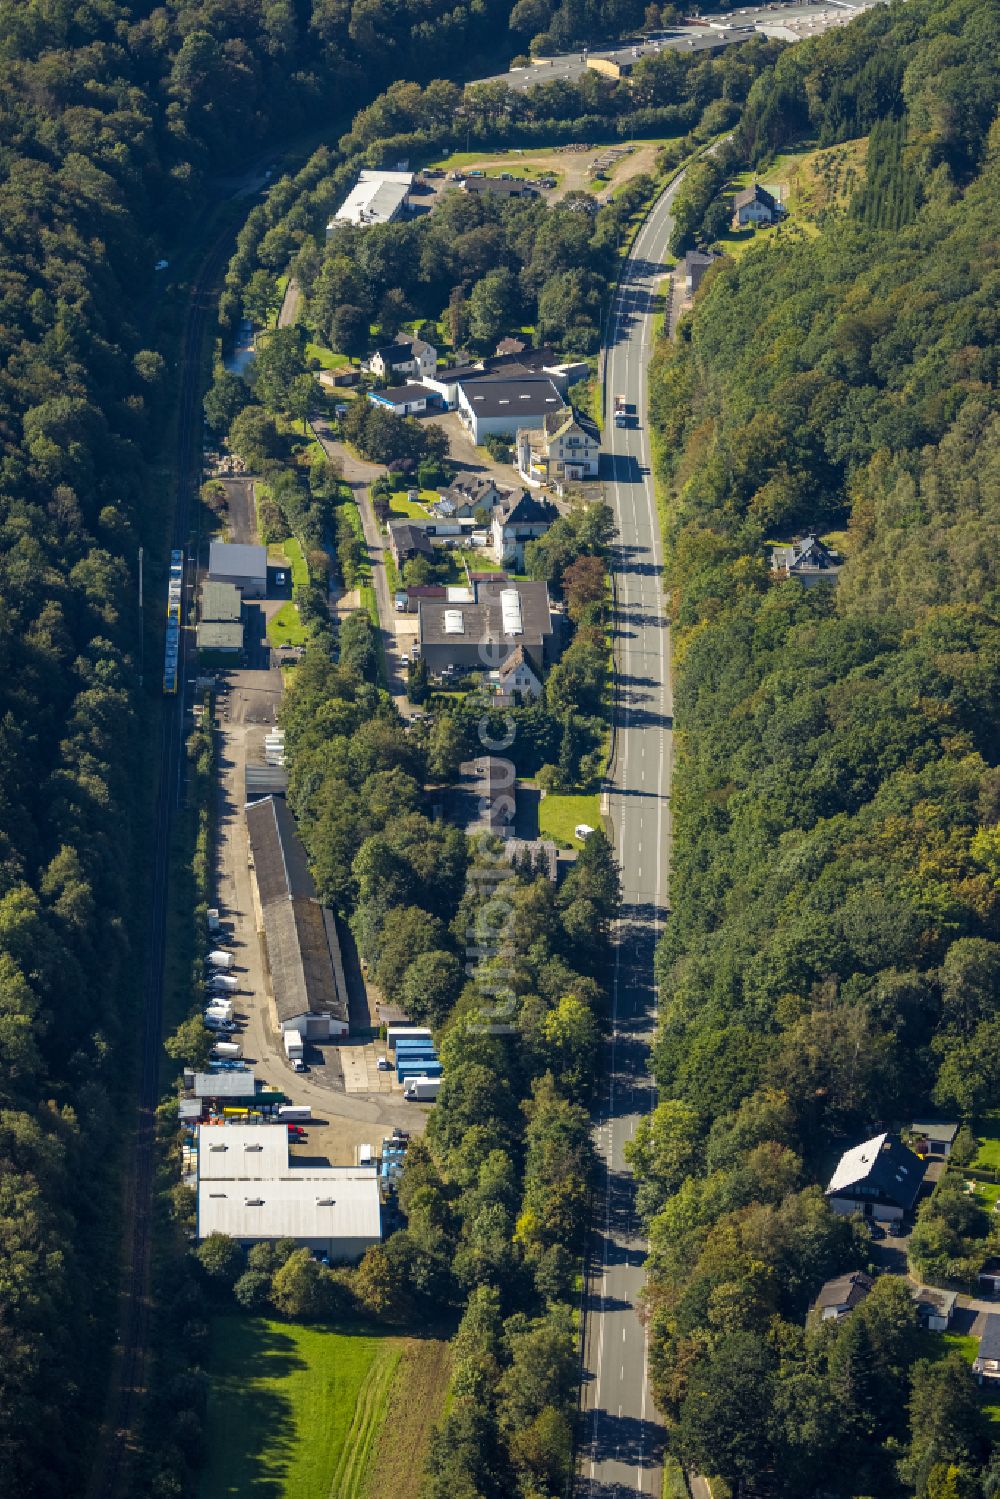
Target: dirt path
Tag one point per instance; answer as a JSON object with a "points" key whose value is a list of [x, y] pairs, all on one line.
{"points": [[415, 1403]]}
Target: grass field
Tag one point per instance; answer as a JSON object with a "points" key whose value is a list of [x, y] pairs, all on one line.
{"points": [[559, 815], [987, 1157], [400, 505], [297, 563], [327, 358], [810, 183], [286, 628], [293, 1412]]}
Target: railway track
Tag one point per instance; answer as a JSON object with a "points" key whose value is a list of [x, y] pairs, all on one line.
{"points": [[119, 1438]]}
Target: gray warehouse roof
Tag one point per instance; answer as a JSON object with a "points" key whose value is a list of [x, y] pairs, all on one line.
{"points": [[221, 602], [278, 856], [230, 559], [299, 951], [212, 635], [224, 1085], [264, 780], [532, 395], [484, 620]]}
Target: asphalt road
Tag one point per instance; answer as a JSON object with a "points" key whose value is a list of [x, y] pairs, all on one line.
{"points": [[620, 1449]]}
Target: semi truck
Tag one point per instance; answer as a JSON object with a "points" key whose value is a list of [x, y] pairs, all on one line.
{"points": [[289, 1113], [621, 411], [422, 1089], [220, 959]]}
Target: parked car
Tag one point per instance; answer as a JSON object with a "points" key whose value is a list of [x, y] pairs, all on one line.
{"points": [[583, 830], [384, 1065], [299, 1066]]}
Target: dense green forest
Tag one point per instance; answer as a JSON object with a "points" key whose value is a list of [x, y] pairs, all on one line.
{"points": [[831, 960]]}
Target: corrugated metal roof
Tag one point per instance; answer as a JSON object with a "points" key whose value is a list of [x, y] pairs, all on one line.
{"points": [[224, 1084], [278, 855]]}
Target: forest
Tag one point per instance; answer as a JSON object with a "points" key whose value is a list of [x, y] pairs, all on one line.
{"points": [[830, 964]]}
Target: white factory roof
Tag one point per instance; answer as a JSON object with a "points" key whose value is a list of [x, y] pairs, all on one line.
{"points": [[376, 198], [336, 1206], [242, 1150], [248, 1188]]}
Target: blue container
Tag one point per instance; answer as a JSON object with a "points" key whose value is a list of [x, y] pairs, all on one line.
{"points": [[418, 1069]]}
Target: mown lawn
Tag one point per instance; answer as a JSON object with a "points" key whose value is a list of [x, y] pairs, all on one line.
{"points": [[559, 815], [297, 563], [293, 1412], [286, 628], [328, 359], [988, 1155], [412, 510]]}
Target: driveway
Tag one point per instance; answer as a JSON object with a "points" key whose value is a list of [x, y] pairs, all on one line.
{"points": [[342, 1119]]}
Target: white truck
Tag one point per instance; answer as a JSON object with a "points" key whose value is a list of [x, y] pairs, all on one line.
{"points": [[216, 1023], [621, 411], [220, 1009], [220, 959], [288, 1113], [422, 1089], [225, 983], [229, 1050], [294, 1046]]}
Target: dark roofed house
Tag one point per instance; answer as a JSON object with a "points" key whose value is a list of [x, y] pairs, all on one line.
{"points": [[840, 1296], [808, 560], [403, 356], [407, 540], [488, 792], [987, 1361], [755, 205], [308, 987], [880, 1178], [520, 519]]}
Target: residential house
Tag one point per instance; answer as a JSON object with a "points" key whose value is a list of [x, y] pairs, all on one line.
{"points": [[514, 363], [496, 407], [755, 205], [512, 345], [841, 1295], [480, 635], [880, 1178], [808, 560], [515, 680], [989, 1277], [521, 518], [696, 263], [407, 540], [934, 1308], [412, 357], [376, 198], [934, 1136], [987, 1361], [566, 447], [401, 400], [470, 492]]}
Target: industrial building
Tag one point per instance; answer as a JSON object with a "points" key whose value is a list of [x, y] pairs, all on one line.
{"points": [[376, 198], [243, 566], [217, 639], [479, 635], [301, 947], [249, 1189], [497, 407]]}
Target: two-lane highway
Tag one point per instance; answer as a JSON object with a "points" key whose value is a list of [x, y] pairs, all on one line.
{"points": [[620, 1449]]}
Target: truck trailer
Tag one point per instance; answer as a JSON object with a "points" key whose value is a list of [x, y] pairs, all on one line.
{"points": [[294, 1046], [219, 959], [397, 1033], [422, 1089], [288, 1113], [405, 1070], [621, 411], [230, 1050]]}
